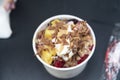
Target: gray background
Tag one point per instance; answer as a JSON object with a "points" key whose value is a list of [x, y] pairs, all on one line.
{"points": [[17, 60]]}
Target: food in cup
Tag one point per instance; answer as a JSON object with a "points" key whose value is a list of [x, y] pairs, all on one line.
{"points": [[64, 43]]}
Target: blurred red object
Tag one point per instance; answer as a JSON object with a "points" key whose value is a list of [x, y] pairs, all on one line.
{"points": [[112, 57]]}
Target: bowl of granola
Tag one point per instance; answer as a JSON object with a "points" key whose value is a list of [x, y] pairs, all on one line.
{"points": [[64, 44]]}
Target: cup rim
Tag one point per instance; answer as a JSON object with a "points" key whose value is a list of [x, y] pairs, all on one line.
{"points": [[57, 17]]}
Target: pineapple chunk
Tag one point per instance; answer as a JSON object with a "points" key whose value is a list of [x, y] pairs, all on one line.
{"points": [[52, 51], [47, 57], [48, 33], [53, 23]]}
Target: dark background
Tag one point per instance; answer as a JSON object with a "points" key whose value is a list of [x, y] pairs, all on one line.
{"points": [[17, 60]]}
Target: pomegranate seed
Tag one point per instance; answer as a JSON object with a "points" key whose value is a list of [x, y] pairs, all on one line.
{"points": [[83, 58], [58, 63], [91, 47]]}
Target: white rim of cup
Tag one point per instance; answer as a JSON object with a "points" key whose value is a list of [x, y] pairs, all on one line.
{"points": [[65, 16]]}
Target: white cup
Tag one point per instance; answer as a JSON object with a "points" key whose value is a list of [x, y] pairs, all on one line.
{"points": [[63, 72]]}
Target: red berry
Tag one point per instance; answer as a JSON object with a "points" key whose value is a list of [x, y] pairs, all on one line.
{"points": [[58, 63], [83, 58]]}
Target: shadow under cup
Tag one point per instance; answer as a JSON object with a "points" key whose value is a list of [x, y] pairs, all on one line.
{"points": [[63, 72]]}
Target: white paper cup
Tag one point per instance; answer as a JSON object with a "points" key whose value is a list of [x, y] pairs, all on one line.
{"points": [[63, 72]]}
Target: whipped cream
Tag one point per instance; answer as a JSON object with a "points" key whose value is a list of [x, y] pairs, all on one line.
{"points": [[63, 50]]}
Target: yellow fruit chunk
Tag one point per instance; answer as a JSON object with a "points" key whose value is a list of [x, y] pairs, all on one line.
{"points": [[48, 33], [47, 57], [53, 23], [52, 51]]}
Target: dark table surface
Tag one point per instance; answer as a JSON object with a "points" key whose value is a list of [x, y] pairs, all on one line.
{"points": [[17, 60]]}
